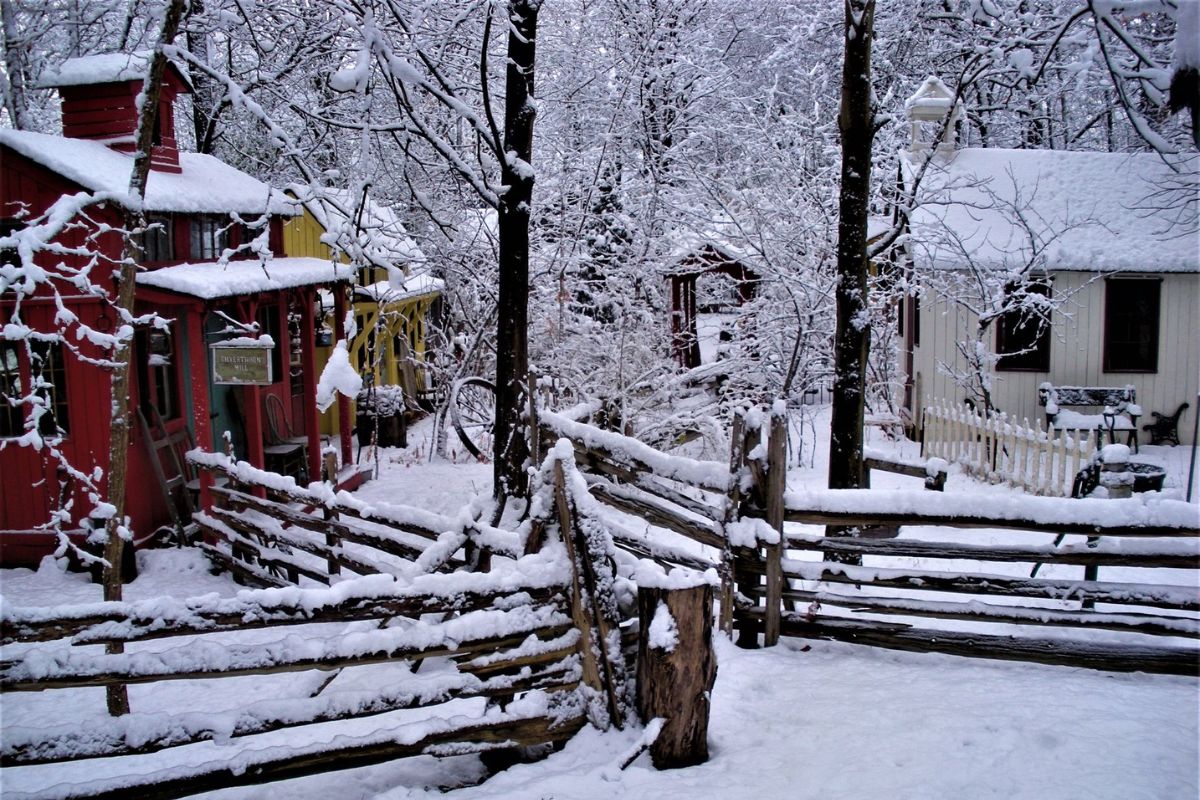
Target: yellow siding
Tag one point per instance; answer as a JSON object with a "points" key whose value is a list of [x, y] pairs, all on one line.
{"points": [[302, 237]]}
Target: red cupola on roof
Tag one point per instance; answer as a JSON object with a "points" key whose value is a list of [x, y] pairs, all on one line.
{"points": [[99, 101]]}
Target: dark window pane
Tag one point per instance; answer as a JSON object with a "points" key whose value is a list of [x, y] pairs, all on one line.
{"points": [[1131, 325], [209, 237], [158, 241], [9, 255], [11, 416], [48, 374], [1023, 338]]}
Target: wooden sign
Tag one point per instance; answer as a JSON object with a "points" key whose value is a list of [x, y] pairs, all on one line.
{"points": [[241, 365]]}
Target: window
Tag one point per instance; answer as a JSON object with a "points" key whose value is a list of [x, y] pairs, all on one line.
{"points": [[1023, 338], [11, 418], [48, 377], [158, 373], [209, 237], [158, 240], [9, 255], [1131, 324]]}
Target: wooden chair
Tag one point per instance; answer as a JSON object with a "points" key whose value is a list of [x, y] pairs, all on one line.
{"points": [[284, 452]]}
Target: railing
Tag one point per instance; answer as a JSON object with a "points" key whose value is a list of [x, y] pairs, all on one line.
{"points": [[999, 450], [525, 634], [269, 531], [966, 564], [512, 634]]}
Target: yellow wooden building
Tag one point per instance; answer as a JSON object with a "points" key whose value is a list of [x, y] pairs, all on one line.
{"points": [[392, 297]]}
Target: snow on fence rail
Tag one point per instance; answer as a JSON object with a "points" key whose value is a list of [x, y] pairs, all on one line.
{"points": [[1000, 450], [527, 634], [982, 596], [991, 587], [513, 634], [269, 531]]}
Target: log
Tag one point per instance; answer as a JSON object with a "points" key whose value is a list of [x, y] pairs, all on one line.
{"points": [[593, 608], [249, 616], [286, 762], [624, 499], [254, 660], [674, 683], [810, 516], [1071, 554], [110, 738], [1106, 656], [975, 611], [1182, 598]]}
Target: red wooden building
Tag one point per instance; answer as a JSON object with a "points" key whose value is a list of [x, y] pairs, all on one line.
{"points": [[207, 269], [695, 260]]}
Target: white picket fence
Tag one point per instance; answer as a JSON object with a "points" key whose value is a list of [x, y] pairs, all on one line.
{"points": [[999, 450]]}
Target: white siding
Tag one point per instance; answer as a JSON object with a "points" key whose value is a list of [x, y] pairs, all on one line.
{"points": [[1076, 350]]}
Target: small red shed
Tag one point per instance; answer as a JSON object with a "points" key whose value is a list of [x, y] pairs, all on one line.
{"points": [[699, 258]]}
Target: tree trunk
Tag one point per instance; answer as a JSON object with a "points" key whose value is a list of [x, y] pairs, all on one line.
{"points": [[674, 681], [15, 50], [852, 337], [135, 219], [511, 450], [202, 86]]}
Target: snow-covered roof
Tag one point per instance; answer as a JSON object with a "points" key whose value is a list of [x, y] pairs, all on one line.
{"points": [[933, 96], [206, 185], [418, 285], [212, 280], [378, 230], [103, 68], [1086, 211]]}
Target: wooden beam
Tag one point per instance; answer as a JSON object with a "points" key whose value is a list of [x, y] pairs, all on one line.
{"points": [[296, 762], [1071, 554], [182, 668], [1178, 597], [809, 516], [1106, 656], [976, 611]]}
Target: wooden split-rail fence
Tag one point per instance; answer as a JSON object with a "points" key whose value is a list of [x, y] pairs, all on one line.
{"points": [[346, 586], [999, 449], [1107, 584]]}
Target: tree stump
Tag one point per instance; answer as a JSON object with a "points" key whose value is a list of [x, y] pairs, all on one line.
{"points": [[676, 669]]}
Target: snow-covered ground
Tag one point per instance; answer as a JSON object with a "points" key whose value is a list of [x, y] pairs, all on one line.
{"points": [[803, 720]]}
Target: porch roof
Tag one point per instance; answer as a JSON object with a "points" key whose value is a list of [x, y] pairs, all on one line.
{"points": [[212, 280], [418, 285]]}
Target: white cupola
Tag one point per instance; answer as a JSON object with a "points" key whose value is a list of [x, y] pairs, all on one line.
{"points": [[926, 110]]}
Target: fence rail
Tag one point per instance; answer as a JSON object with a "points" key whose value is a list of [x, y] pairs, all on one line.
{"points": [[525, 634], [949, 582], [1001, 450]]}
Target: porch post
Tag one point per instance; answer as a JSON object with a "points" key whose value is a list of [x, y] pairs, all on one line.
{"points": [[343, 403], [202, 422], [309, 394]]}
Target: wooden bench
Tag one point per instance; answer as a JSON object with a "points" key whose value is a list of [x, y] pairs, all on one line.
{"points": [[1120, 410]]}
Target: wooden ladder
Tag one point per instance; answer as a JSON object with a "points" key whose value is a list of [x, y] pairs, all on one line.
{"points": [[175, 484]]}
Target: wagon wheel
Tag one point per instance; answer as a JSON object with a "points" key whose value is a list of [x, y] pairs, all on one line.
{"points": [[473, 412]]}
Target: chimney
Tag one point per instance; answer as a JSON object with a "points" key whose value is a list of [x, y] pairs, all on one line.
{"points": [[99, 96]]}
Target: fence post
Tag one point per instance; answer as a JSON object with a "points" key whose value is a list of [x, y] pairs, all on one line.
{"points": [[776, 486], [676, 671], [733, 498], [745, 575], [587, 591]]}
